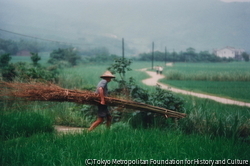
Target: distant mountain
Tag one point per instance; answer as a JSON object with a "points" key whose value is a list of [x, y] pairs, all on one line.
{"points": [[175, 24]]}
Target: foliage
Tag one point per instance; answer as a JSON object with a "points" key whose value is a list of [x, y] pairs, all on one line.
{"points": [[35, 58], [69, 55], [245, 56], [166, 99], [4, 60], [27, 73], [120, 66], [7, 70], [22, 71], [131, 90], [9, 73], [8, 46]]}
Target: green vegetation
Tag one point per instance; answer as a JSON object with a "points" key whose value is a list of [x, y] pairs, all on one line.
{"points": [[216, 120], [18, 124], [229, 89], [118, 143], [25, 72], [64, 56], [190, 55], [35, 58], [211, 130], [234, 71], [7, 70]]}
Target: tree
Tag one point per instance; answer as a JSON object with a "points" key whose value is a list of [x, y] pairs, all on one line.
{"points": [[7, 70], [69, 55], [4, 60], [245, 56], [8, 46], [35, 58], [120, 66]]}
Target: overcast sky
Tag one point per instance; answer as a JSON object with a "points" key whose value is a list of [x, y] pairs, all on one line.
{"points": [[235, 0], [177, 24]]}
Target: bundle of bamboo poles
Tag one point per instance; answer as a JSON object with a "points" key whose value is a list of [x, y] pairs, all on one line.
{"points": [[51, 92]]}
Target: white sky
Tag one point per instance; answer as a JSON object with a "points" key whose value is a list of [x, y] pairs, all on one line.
{"points": [[235, 0]]}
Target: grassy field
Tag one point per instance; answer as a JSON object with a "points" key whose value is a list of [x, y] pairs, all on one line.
{"points": [[212, 131], [230, 80]]}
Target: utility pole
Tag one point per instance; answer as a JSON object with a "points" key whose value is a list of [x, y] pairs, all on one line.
{"points": [[123, 56], [152, 55], [165, 56], [122, 48]]}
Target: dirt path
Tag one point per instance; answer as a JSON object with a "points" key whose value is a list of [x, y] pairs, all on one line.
{"points": [[153, 81], [67, 129]]}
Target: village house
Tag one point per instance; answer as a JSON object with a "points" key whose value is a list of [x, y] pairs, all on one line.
{"points": [[23, 53], [229, 52]]}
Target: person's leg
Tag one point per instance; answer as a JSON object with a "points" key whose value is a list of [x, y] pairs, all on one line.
{"points": [[109, 120], [96, 123]]}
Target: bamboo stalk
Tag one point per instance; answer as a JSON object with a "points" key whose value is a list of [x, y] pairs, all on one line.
{"points": [[51, 92]]}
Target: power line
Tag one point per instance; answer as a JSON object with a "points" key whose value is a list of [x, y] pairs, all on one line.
{"points": [[34, 37], [62, 42]]}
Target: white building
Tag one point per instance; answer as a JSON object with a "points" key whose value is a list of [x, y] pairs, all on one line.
{"points": [[229, 52]]}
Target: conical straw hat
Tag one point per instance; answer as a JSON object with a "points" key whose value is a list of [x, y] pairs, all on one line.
{"points": [[107, 74]]}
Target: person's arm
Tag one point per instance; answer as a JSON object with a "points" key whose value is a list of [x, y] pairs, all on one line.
{"points": [[101, 93]]}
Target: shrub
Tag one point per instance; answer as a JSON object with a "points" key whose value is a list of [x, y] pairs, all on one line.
{"points": [[69, 55], [129, 89], [26, 73]]}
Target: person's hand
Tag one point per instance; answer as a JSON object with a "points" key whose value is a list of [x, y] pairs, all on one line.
{"points": [[103, 102]]}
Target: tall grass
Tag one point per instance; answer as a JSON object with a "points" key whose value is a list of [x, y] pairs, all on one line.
{"points": [[208, 117], [16, 124], [47, 149]]}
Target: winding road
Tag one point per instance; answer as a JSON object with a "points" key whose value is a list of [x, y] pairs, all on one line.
{"points": [[153, 81]]}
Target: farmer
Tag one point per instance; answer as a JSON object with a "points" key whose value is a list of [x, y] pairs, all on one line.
{"points": [[102, 90]]}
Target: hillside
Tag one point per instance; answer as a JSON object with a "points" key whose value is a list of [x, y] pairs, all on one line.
{"points": [[176, 24]]}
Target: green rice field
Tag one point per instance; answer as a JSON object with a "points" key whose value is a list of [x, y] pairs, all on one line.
{"points": [[229, 80]]}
